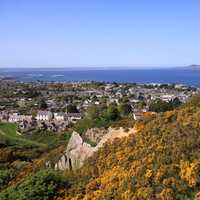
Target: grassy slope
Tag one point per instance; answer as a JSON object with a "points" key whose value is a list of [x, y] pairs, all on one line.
{"points": [[8, 132]]}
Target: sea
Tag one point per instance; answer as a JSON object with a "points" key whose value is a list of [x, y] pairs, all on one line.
{"points": [[185, 76]]}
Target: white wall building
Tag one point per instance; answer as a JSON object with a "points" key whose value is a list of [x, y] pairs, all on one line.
{"points": [[59, 116], [15, 117], [44, 116]]}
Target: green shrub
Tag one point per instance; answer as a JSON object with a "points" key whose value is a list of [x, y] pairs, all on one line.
{"points": [[41, 186], [5, 177]]}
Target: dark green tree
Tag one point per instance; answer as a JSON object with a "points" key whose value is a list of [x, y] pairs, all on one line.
{"points": [[72, 108], [43, 104], [113, 113], [125, 109]]}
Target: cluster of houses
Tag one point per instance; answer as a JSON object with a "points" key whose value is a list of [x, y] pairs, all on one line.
{"points": [[43, 120], [58, 96]]}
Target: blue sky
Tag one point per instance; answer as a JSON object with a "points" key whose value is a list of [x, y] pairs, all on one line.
{"points": [[99, 33]]}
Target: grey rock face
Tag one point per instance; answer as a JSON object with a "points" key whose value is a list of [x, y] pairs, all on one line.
{"points": [[78, 151]]}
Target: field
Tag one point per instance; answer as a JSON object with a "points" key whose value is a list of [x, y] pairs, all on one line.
{"points": [[10, 136]]}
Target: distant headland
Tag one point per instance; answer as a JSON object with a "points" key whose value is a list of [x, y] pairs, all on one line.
{"points": [[194, 66]]}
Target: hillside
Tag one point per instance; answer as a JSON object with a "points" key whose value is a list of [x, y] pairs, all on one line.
{"points": [[10, 136], [22, 155], [160, 161]]}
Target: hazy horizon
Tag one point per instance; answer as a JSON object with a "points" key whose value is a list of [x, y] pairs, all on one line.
{"points": [[92, 67]]}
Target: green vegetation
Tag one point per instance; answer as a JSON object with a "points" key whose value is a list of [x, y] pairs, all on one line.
{"points": [[125, 109], [41, 186], [159, 162], [48, 138], [25, 153], [98, 116], [5, 177], [195, 101], [43, 104], [161, 106], [105, 116], [72, 108], [10, 136]]}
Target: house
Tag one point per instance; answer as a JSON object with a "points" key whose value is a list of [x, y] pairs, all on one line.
{"points": [[167, 97], [73, 117], [4, 116], [15, 117], [44, 116], [59, 116], [86, 103]]}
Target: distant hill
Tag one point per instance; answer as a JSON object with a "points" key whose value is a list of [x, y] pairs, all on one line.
{"points": [[193, 66]]}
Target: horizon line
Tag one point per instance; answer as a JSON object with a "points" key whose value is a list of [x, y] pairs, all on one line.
{"points": [[94, 67]]}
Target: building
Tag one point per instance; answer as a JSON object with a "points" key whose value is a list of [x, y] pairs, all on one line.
{"points": [[15, 117], [44, 116], [4, 116], [59, 116], [73, 117]]}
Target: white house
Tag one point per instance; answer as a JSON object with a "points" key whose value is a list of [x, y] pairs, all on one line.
{"points": [[167, 97], [15, 117], [96, 103], [44, 116], [73, 117], [59, 116], [3, 116]]}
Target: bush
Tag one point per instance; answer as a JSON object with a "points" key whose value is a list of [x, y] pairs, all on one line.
{"points": [[41, 186], [98, 116], [161, 106], [5, 177]]}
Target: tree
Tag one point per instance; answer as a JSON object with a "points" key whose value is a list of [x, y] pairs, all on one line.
{"points": [[125, 99], [43, 104], [113, 113], [94, 112], [42, 185], [72, 108], [176, 102], [160, 106], [125, 109], [5, 177]]}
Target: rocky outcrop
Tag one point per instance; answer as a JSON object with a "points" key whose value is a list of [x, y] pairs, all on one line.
{"points": [[113, 134], [78, 151], [95, 134]]}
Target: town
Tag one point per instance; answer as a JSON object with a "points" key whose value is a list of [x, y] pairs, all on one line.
{"points": [[57, 106]]}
